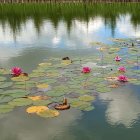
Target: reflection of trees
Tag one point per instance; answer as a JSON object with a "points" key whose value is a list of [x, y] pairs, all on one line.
{"points": [[15, 15]]}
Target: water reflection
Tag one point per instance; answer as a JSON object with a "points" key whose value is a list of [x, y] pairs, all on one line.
{"points": [[33, 33], [21, 126], [123, 107], [66, 26]]}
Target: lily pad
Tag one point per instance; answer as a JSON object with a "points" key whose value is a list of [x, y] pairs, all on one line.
{"points": [[1, 90], [6, 108], [80, 104], [5, 99], [4, 71], [36, 109], [103, 89], [55, 93], [89, 108], [20, 102], [43, 87], [36, 74], [5, 84], [2, 78], [49, 113], [20, 78], [46, 64], [42, 102], [16, 93], [86, 98]]}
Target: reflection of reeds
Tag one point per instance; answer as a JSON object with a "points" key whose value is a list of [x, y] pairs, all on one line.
{"points": [[66, 12]]}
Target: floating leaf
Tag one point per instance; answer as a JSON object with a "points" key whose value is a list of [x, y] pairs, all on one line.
{"points": [[113, 85], [43, 86], [49, 81], [48, 113], [89, 108], [61, 88], [2, 78], [45, 64], [20, 102], [96, 80], [66, 62], [80, 104], [41, 102], [52, 74], [111, 78], [20, 78], [5, 98], [5, 108], [16, 93], [4, 71], [36, 74], [103, 89], [36, 98], [55, 93], [134, 81], [24, 85], [5, 84], [86, 98], [36, 109], [82, 91], [1, 91]]}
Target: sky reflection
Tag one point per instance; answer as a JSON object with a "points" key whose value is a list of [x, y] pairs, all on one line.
{"points": [[123, 107]]}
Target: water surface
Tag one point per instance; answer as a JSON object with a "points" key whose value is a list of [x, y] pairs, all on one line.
{"points": [[32, 33]]}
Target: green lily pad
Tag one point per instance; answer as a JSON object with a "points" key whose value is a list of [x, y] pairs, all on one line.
{"points": [[103, 89], [86, 98], [55, 93], [5, 84], [48, 113], [80, 104], [134, 82], [35, 74], [96, 80], [2, 78], [56, 99], [89, 108], [20, 78], [4, 71], [16, 93], [6, 108], [20, 102], [24, 85], [5, 99], [49, 81], [82, 91], [1, 90], [42, 102], [61, 88]]}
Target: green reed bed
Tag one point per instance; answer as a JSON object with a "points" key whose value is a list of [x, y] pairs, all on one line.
{"points": [[16, 14]]}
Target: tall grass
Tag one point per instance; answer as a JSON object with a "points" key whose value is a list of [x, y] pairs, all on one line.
{"points": [[17, 14]]}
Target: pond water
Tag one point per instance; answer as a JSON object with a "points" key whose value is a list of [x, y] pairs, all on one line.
{"points": [[31, 34]]}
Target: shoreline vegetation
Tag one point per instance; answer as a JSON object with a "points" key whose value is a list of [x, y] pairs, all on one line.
{"points": [[68, 1], [66, 12]]}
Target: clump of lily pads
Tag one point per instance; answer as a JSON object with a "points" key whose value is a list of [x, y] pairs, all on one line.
{"points": [[62, 83]]}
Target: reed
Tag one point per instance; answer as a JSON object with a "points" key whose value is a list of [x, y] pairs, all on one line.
{"points": [[17, 14]]}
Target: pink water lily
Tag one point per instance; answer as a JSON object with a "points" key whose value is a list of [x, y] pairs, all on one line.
{"points": [[122, 69], [16, 71], [86, 70], [117, 58], [122, 78]]}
